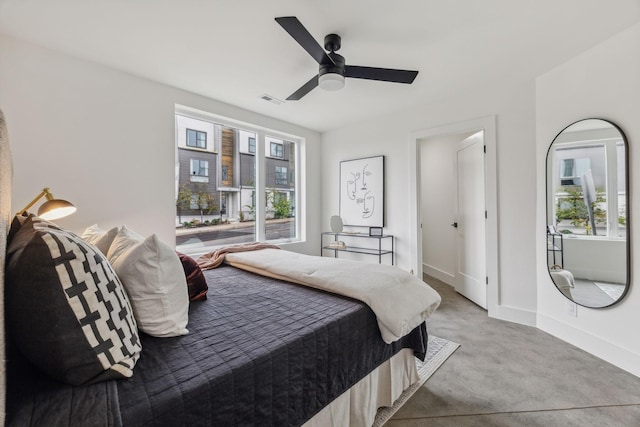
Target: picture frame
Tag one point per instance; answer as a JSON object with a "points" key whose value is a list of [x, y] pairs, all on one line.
{"points": [[362, 192], [375, 231]]}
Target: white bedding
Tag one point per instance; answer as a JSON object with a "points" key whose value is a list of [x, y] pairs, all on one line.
{"points": [[357, 407], [399, 300]]}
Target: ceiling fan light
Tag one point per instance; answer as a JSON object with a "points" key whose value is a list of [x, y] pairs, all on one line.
{"points": [[331, 81]]}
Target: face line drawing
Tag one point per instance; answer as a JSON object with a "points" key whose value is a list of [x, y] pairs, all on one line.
{"points": [[369, 205], [365, 173], [359, 196]]}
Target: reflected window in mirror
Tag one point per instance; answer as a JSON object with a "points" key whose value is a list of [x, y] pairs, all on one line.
{"points": [[587, 213]]}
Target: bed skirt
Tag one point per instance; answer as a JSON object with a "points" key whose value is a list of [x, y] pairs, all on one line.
{"points": [[357, 406]]}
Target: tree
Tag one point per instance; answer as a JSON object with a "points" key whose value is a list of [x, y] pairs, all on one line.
{"points": [[183, 200], [195, 196], [252, 206], [203, 199], [572, 207], [280, 203]]}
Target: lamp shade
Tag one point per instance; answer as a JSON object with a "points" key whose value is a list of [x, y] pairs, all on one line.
{"points": [[52, 208], [331, 81], [55, 208]]}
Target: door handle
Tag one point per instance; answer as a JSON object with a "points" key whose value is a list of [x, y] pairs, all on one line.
{"points": [[454, 225]]}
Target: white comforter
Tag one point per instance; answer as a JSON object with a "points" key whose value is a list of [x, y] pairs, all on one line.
{"points": [[399, 300]]}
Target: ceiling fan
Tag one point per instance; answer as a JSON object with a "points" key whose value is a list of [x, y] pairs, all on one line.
{"points": [[333, 68]]}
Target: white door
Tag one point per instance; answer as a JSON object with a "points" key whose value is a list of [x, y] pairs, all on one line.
{"points": [[471, 222]]}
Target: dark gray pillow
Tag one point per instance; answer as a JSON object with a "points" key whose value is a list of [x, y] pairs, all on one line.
{"points": [[66, 310]]}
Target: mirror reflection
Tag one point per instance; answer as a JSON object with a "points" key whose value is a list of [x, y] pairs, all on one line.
{"points": [[587, 213]]}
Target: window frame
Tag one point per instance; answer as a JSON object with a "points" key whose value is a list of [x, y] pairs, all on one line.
{"points": [[609, 146], [279, 150], [199, 176], [197, 140], [199, 168], [262, 136], [279, 174]]}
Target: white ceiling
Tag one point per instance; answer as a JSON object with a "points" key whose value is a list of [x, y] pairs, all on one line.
{"points": [[234, 51]]}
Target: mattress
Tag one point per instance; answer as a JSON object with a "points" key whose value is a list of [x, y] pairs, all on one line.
{"points": [[259, 352]]}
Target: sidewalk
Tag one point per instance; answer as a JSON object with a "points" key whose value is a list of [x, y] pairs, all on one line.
{"points": [[230, 226]]}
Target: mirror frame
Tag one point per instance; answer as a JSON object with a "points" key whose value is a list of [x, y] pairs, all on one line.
{"points": [[627, 210]]}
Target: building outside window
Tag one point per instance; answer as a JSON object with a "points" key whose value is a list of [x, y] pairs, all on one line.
{"points": [[277, 150], [220, 190], [196, 139], [199, 170], [198, 202]]}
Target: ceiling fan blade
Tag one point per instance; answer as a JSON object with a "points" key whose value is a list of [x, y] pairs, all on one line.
{"points": [[294, 27], [305, 89], [383, 74]]}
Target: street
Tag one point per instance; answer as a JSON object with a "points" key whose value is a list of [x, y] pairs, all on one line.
{"points": [[243, 232]]}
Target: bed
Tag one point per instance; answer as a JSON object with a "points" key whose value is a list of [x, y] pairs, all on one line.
{"points": [[259, 351]]}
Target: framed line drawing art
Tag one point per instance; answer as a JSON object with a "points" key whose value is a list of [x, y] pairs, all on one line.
{"points": [[362, 192]]}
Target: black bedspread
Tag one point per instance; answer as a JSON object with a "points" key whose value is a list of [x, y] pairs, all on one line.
{"points": [[259, 352]]}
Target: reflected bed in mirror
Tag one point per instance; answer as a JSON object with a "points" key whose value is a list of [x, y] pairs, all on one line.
{"points": [[588, 213]]}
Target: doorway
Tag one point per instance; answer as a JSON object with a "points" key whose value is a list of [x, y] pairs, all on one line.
{"points": [[465, 257]]}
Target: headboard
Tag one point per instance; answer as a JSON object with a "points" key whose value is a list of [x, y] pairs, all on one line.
{"points": [[6, 176]]}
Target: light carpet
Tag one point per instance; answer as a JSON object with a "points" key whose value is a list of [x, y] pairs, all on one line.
{"points": [[614, 290], [438, 350]]}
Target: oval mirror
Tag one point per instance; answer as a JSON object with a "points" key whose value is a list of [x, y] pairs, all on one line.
{"points": [[588, 254]]}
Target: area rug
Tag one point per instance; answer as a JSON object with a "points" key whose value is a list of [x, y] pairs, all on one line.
{"points": [[438, 350], [614, 290]]}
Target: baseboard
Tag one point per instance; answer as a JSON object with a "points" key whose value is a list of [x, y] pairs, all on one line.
{"points": [[432, 271], [599, 347], [516, 315]]}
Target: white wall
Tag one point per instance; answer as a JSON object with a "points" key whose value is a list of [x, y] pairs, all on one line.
{"points": [[603, 83], [106, 140], [514, 109], [596, 258]]}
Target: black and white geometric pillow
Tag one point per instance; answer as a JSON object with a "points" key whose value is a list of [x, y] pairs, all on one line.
{"points": [[66, 309]]}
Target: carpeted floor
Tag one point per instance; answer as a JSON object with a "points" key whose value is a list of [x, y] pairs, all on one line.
{"points": [[510, 375]]}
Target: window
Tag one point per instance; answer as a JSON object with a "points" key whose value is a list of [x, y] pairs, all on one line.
{"points": [[196, 138], [261, 206], [195, 202], [199, 170], [281, 206], [589, 168], [573, 169], [281, 175], [277, 150]]}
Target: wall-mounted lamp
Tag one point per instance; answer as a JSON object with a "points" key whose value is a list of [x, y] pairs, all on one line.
{"points": [[52, 208]]}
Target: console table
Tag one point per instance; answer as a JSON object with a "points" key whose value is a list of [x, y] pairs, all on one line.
{"points": [[356, 243], [555, 249]]}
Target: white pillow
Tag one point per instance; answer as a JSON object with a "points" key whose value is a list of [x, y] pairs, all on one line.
{"points": [[92, 233], [125, 238], [99, 238], [152, 275]]}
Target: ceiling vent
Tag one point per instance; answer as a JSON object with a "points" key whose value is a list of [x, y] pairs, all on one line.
{"points": [[271, 99]]}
